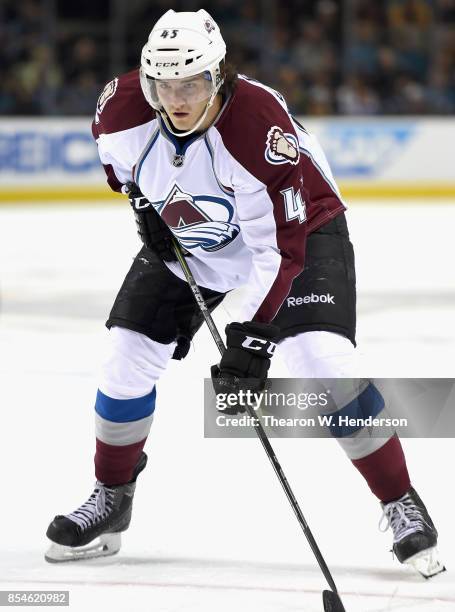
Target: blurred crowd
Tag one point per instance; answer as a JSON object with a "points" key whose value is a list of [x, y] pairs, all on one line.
{"points": [[326, 57]]}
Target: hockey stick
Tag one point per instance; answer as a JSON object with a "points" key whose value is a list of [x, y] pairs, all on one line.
{"points": [[331, 599]]}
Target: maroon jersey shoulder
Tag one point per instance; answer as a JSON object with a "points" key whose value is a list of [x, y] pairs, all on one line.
{"points": [[258, 131], [121, 105]]}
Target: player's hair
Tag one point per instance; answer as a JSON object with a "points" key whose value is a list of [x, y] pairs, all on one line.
{"points": [[230, 75]]}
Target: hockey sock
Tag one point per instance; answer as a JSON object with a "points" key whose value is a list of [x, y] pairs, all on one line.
{"points": [[385, 471], [122, 427], [114, 465]]}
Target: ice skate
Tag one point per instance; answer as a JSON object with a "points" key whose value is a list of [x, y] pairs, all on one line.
{"points": [[414, 534], [93, 530]]}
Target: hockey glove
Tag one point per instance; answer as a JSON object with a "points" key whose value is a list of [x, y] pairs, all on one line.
{"points": [[151, 229], [246, 361]]}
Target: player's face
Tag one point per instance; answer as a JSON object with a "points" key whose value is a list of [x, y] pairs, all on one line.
{"points": [[184, 100]]}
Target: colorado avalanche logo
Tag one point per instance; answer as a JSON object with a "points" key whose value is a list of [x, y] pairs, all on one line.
{"points": [[281, 148], [199, 220], [208, 25]]}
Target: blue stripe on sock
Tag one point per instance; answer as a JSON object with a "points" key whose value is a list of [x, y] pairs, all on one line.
{"points": [[124, 411], [369, 403]]}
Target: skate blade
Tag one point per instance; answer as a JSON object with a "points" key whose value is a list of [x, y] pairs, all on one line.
{"points": [[106, 545], [427, 563]]}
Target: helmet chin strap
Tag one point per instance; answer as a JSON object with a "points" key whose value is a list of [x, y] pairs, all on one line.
{"points": [[166, 119]]}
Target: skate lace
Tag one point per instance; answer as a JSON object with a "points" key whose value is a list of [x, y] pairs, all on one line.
{"points": [[96, 508], [403, 516]]}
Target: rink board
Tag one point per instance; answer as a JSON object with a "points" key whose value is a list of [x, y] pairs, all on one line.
{"points": [[49, 159]]}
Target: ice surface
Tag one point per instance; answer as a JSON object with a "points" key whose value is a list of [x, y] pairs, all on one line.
{"points": [[212, 529]]}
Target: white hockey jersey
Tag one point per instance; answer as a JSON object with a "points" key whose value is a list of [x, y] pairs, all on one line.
{"points": [[240, 197]]}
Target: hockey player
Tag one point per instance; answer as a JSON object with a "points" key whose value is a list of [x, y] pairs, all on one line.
{"points": [[215, 160]]}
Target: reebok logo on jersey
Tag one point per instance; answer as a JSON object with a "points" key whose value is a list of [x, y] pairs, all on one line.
{"points": [[311, 299]]}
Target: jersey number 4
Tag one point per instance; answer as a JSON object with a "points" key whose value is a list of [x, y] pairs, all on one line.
{"points": [[294, 205]]}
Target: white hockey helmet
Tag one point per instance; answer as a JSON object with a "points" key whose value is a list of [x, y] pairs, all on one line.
{"points": [[183, 45]]}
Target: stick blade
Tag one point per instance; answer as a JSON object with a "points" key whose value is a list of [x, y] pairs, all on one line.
{"points": [[332, 602]]}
